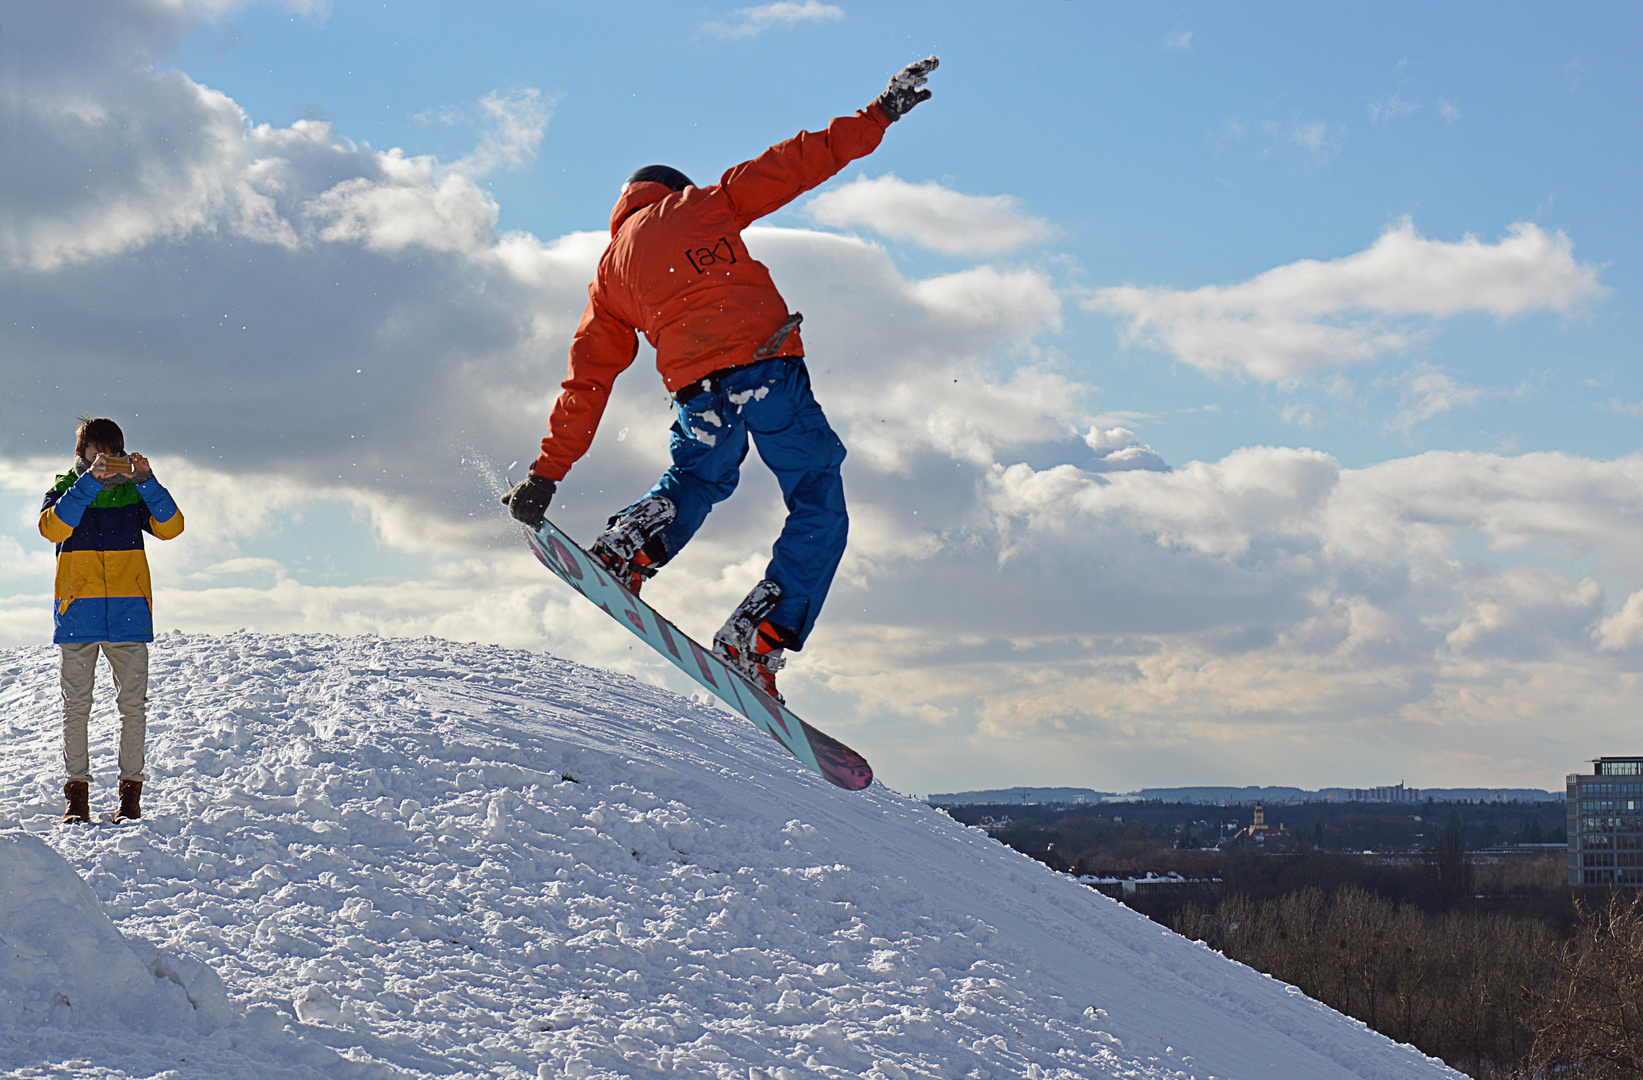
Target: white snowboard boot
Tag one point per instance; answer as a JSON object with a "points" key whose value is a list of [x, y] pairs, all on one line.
{"points": [[631, 547], [752, 645]]}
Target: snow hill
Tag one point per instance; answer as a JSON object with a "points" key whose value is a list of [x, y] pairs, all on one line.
{"points": [[371, 857]]}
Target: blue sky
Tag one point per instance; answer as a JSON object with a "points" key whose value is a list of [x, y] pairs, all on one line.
{"points": [[1166, 144], [1263, 375]]}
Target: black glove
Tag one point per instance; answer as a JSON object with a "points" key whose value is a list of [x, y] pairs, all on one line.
{"points": [[529, 499], [903, 92]]}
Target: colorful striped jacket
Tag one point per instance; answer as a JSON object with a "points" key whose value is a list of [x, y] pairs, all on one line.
{"points": [[103, 591]]}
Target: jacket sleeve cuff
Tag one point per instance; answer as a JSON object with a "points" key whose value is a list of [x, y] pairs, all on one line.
{"points": [[547, 470], [875, 113], [169, 529], [54, 528], [158, 500]]}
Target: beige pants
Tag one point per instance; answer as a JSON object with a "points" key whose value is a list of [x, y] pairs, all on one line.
{"points": [[129, 662]]}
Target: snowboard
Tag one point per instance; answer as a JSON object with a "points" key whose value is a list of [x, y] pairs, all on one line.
{"points": [[836, 762]]}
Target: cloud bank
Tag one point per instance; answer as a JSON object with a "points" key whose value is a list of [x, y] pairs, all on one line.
{"points": [[1311, 316], [330, 351], [756, 20], [929, 215]]}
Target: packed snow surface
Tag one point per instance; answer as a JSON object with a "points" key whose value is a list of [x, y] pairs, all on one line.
{"points": [[367, 857]]}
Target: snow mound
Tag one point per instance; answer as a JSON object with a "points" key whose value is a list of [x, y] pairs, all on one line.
{"points": [[421, 858], [63, 963]]}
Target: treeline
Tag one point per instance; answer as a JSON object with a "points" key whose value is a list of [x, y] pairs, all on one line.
{"points": [[1111, 828], [1437, 881], [1458, 985], [1490, 963], [1495, 996]]}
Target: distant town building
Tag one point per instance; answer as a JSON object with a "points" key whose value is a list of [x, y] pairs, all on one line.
{"points": [[1397, 793], [1120, 887], [1606, 823], [1260, 834]]}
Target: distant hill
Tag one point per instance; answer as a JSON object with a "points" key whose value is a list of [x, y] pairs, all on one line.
{"points": [[1516, 794], [1224, 794], [1019, 796]]}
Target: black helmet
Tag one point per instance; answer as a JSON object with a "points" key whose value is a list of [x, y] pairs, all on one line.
{"points": [[665, 175]]}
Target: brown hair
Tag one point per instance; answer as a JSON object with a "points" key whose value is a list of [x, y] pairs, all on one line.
{"points": [[100, 431]]}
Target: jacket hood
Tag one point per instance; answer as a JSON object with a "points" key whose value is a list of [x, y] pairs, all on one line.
{"points": [[636, 197]]}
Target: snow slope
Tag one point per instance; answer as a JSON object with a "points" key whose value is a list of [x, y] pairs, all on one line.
{"points": [[420, 858]]}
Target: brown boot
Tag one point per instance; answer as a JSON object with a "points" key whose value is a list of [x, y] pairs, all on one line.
{"points": [[131, 794], [77, 796]]}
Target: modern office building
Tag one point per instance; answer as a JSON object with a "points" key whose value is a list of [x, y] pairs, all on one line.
{"points": [[1606, 823]]}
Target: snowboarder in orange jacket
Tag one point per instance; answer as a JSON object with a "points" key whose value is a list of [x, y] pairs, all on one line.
{"points": [[730, 353]]}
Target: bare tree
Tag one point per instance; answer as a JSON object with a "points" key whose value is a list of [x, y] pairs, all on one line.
{"points": [[1453, 866], [1590, 1021], [1458, 985]]}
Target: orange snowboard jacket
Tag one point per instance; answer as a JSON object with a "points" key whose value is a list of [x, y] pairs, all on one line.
{"points": [[677, 271]]}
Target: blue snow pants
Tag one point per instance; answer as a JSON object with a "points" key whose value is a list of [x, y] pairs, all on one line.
{"points": [[772, 402]]}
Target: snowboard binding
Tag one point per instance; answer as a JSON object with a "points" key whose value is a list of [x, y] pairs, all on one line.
{"points": [[631, 547], [752, 645]]}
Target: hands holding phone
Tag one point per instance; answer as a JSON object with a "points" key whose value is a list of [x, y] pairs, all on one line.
{"points": [[107, 467]]}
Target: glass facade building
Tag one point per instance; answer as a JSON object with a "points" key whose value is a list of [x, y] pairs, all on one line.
{"points": [[1606, 823]]}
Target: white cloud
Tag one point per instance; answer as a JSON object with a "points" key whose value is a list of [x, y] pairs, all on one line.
{"points": [[405, 206], [1117, 450], [512, 126], [1314, 136], [214, 177], [986, 296], [1625, 408], [756, 20], [929, 215], [1428, 392], [1624, 629], [1206, 611], [347, 295], [1393, 108], [1181, 39], [19, 563], [332, 333], [1448, 110], [1292, 592], [350, 295], [1320, 140], [1309, 316], [156, 163], [1298, 414], [1211, 509], [1524, 610], [346, 326], [905, 367]]}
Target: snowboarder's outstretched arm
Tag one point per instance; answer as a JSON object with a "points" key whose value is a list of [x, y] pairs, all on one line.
{"points": [[789, 169], [606, 340], [603, 347]]}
